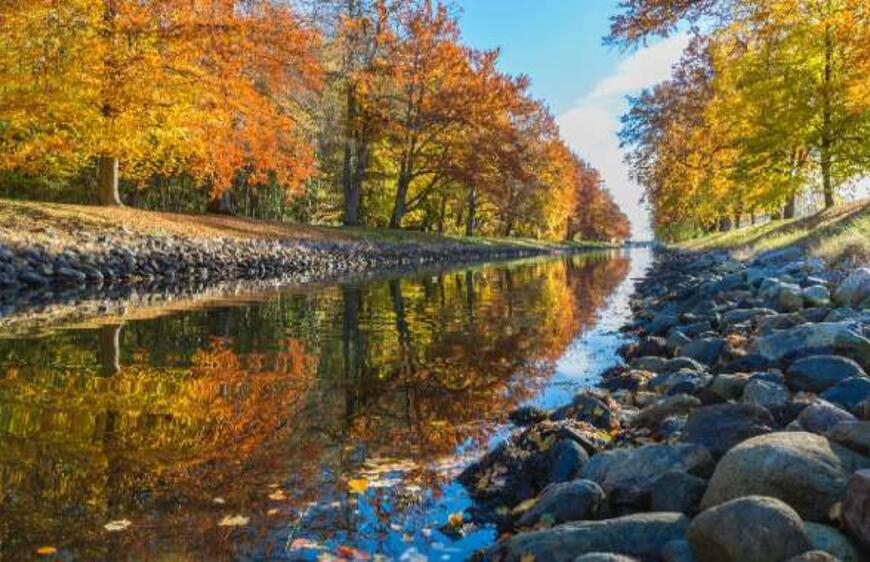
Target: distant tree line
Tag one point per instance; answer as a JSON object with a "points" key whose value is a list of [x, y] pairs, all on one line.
{"points": [[364, 112]]}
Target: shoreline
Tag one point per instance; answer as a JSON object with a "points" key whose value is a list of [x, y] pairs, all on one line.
{"points": [[739, 414]]}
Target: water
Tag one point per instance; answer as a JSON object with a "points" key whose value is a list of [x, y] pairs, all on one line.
{"points": [[314, 423]]}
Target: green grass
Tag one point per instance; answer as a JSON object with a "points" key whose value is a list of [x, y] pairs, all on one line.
{"points": [[838, 235]]}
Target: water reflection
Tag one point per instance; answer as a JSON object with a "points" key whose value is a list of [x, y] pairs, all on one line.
{"points": [[314, 422]]}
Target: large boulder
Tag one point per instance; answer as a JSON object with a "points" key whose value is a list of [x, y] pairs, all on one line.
{"points": [[821, 415], [722, 426], [642, 535], [677, 491], [817, 373], [850, 394], [748, 529], [567, 501], [832, 541], [639, 468], [856, 507], [803, 469], [839, 336], [854, 289]]}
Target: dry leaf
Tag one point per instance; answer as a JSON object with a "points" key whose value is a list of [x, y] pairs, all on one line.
{"points": [[46, 550], [455, 520], [358, 485], [234, 521], [119, 525]]}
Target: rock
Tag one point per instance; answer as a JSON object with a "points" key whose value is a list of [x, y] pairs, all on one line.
{"points": [[593, 406], [803, 469], [682, 364], [653, 415], [854, 289], [817, 373], [748, 529], [705, 350], [850, 394], [642, 535], [770, 324], [649, 363], [817, 295], [661, 322], [814, 556], [820, 416], [70, 275], [852, 434], [729, 386], [568, 460], [678, 492], [639, 468], [605, 557], [765, 393], [790, 297], [577, 500], [856, 506], [528, 415], [680, 382], [835, 335], [677, 551], [830, 540], [652, 346], [721, 427], [676, 340], [32, 278], [741, 315]]}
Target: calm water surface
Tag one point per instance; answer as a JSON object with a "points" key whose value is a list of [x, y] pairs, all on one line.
{"points": [[321, 423]]}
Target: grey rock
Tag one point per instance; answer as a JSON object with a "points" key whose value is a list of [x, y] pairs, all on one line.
{"points": [[835, 335], [821, 415], [852, 434], [817, 295], [568, 460], [677, 491], [814, 556], [567, 501], [705, 350], [854, 289], [605, 557], [803, 469], [654, 414], [729, 386], [642, 535], [850, 394], [765, 393], [639, 468], [790, 297], [677, 551], [856, 506], [817, 373], [748, 529], [721, 427], [741, 315], [830, 540]]}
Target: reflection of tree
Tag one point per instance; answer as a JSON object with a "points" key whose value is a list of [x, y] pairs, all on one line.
{"points": [[223, 402]]}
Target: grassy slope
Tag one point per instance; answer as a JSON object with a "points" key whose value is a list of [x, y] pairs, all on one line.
{"points": [[52, 224], [837, 235]]}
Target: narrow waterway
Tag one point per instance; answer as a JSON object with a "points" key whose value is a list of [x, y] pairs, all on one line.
{"points": [[312, 423]]}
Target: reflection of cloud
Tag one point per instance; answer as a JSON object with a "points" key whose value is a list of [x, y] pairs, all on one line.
{"points": [[590, 127]]}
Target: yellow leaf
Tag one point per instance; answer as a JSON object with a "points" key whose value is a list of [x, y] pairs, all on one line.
{"points": [[358, 485], [234, 521], [525, 506], [455, 520], [46, 550]]}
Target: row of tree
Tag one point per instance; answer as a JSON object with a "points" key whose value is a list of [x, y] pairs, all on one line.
{"points": [[363, 111], [769, 102]]}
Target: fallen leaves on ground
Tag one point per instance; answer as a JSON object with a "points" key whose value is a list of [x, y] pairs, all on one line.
{"points": [[234, 521]]}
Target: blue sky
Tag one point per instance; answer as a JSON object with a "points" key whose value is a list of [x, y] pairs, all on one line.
{"points": [[558, 44]]}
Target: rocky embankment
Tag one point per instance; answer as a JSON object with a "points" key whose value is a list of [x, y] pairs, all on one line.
{"points": [[115, 264], [735, 432]]}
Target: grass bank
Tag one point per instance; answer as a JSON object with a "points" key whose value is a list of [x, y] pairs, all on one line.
{"points": [[840, 235], [57, 225]]}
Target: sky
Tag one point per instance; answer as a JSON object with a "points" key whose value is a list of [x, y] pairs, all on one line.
{"points": [[558, 43]]}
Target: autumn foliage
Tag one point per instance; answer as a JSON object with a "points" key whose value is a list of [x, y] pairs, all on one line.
{"points": [[363, 111], [768, 108]]}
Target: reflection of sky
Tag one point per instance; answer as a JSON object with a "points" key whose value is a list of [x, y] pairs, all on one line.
{"points": [[414, 534]]}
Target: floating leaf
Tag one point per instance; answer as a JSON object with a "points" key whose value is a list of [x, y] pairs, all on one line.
{"points": [[234, 521], [455, 520], [46, 550], [119, 525], [358, 485]]}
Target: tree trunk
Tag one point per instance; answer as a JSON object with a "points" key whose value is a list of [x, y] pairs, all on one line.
{"points": [[724, 224], [441, 214], [790, 209], [109, 353], [400, 203], [827, 133], [107, 181], [472, 210], [349, 176]]}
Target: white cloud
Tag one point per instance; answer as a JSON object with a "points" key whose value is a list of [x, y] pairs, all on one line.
{"points": [[591, 126]]}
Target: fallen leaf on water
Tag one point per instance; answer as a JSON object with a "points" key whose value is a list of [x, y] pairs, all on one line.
{"points": [[119, 525], [46, 550], [455, 520], [303, 544], [234, 521], [278, 496], [358, 486]]}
